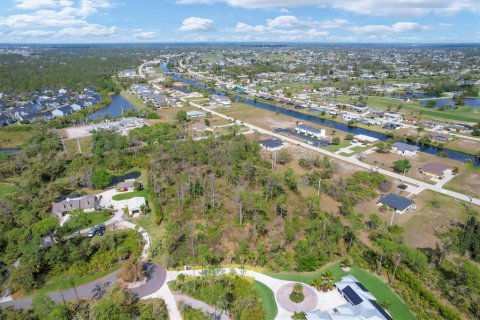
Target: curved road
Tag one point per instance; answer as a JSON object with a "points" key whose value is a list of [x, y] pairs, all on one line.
{"points": [[154, 282]]}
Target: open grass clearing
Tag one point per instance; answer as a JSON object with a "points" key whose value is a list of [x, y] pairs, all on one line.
{"points": [[130, 195], [15, 136], [6, 189]]}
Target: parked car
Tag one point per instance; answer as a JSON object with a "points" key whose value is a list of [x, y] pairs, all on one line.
{"points": [[101, 229], [92, 232], [403, 186]]}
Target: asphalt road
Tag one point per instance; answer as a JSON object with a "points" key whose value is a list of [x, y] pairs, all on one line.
{"points": [[154, 282]]}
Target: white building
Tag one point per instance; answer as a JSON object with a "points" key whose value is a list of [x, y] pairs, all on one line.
{"points": [[223, 101], [195, 114], [311, 131], [405, 149], [134, 205]]}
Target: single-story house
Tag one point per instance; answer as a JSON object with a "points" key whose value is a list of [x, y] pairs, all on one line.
{"points": [[405, 149], [358, 303], [135, 205], [393, 116], [397, 202], [438, 137], [223, 101], [87, 203], [195, 114], [302, 128], [272, 144], [436, 169], [126, 185], [365, 139], [352, 116]]}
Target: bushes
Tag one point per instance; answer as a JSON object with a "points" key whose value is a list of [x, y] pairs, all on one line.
{"points": [[297, 293]]}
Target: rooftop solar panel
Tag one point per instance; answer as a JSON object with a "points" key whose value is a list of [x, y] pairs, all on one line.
{"points": [[380, 309], [361, 286], [352, 296]]}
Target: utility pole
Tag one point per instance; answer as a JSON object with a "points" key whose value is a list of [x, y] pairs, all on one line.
{"points": [[393, 214], [63, 143], [399, 257], [319, 185], [79, 147]]}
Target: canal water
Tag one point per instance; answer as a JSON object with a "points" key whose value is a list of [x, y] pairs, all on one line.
{"points": [[9, 151], [471, 102], [452, 154], [114, 109]]}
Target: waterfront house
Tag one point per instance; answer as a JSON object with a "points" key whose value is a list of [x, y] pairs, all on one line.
{"points": [[405, 149]]}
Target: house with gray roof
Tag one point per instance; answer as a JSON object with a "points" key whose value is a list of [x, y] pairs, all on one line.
{"points": [[405, 149], [361, 304], [397, 202], [87, 203]]}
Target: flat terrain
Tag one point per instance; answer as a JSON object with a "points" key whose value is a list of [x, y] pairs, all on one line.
{"points": [[14, 136], [6, 189], [434, 213], [467, 181]]}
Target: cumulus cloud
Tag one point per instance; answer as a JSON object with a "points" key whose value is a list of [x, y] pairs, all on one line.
{"points": [[145, 35], [367, 7], [334, 23], [56, 18], [286, 22], [197, 24], [398, 27]]}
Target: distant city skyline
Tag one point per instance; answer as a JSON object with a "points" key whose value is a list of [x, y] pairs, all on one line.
{"points": [[357, 21]]}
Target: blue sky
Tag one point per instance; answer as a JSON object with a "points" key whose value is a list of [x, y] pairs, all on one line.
{"points": [[76, 21]]}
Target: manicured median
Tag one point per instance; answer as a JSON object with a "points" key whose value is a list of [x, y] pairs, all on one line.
{"points": [[268, 300]]}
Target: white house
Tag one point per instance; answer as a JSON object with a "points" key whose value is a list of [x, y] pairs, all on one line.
{"points": [[222, 100], [311, 131], [405, 149], [134, 205], [352, 116], [393, 116], [195, 114]]}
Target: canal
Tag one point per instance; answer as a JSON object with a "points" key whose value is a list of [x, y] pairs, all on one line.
{"points": [[452, 154], [117, 106]]}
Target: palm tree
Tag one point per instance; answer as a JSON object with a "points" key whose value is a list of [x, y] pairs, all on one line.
{"points": [[100, 289], [327, 280]]}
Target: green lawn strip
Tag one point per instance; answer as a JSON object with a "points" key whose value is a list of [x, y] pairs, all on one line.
{"points": [[6, 189], [135, 101], [85, 220], [61, 282], [335, 148], [14, 136], [129, 195], [268, 300], [376, 286]]}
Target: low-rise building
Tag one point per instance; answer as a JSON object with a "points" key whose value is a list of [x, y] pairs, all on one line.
{"points": [[438, 137], [436, 169], [87, 203], [393, 116], [272, 144], [360, 304], [195, 114], [405, 149], [397, 202], [223, 101], [311, 131], [365, 139], [135, 205], [352, 116]]}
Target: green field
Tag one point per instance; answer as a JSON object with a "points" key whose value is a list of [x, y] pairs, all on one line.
{"points": [[268, 300], [6, 189], [376, 286], [464, 113], [14, 136], [129, 195]]}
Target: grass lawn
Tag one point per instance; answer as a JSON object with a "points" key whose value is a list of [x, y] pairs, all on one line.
{"points": [[375, 285], [84, 220], [129, 195], [268, 300], [62, 282], [6, 189], [467, 181], [14, 136], [335, 148]]}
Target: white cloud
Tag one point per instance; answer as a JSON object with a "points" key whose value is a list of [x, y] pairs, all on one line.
{"points": [[394, 28], [334, 23], [32, 33], [90, 30], [197, 24], [286, 22], [367, 7], [37, 4], [146, 35]]}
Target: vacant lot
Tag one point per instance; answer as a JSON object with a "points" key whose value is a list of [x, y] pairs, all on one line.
{"points": [[467, 181], [434, 213], [14, 136], [465, 145]]}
